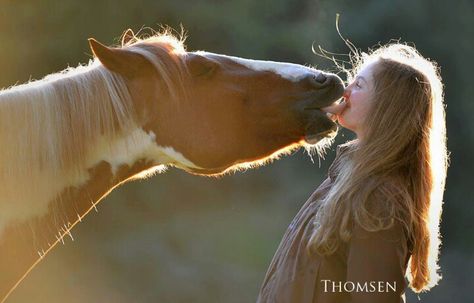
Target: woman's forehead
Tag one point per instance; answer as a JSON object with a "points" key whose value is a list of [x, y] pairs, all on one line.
{"points": [[367, 70]]}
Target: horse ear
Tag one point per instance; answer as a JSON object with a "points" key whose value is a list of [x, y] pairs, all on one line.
{"points": [[128, 37], [119, 60]]}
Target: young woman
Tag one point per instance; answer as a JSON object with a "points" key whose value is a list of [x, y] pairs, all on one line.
{"points": [[375, 219]]}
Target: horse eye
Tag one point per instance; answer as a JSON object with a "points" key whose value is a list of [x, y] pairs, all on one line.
{"points": [[246, 99], [199, 66]]}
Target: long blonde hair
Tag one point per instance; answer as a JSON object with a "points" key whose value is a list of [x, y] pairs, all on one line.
{"points": [[398, 172]]}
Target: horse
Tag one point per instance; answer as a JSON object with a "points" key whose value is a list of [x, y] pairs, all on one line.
{"points": [[132, 111]]}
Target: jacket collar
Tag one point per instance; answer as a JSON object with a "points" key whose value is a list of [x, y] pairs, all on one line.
{"points": [[340, 150]]}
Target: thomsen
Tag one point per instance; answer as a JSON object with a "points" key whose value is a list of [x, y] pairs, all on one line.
{"points": [[368, 286]]}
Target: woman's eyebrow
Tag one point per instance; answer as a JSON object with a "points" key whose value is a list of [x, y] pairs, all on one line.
{"points": [[362, 78]]}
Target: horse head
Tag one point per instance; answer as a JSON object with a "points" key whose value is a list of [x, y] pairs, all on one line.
{"points": [[221, 112]]}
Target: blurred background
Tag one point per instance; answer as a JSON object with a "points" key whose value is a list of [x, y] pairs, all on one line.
{"points": [[182, 238]]}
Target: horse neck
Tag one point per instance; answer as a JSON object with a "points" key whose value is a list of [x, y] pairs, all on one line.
{"points": [[67, 141], [48, 131]]}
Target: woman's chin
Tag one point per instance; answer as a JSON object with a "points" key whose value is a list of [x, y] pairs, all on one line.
{"points": [[341, 122]]}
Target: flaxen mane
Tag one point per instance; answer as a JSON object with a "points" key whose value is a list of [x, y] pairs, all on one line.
{"points": [[49, 126]]}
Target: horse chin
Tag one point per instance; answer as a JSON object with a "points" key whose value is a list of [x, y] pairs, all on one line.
{"points": [[317, 144], [315, 139], [322, 127]]}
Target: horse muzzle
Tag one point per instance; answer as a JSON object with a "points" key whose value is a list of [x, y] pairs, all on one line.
{"points": [[321, 108]]}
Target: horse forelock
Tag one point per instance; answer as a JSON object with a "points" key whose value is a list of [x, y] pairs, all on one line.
{"points": [[166, 54], [165, 38]]}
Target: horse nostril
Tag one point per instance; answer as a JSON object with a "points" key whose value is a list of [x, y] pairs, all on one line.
{"points": [[321, 78]]}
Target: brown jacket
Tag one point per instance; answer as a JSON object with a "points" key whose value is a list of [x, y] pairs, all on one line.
{"points": [[370, 268]]}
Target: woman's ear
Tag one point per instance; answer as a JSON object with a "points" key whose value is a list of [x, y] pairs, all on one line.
{"points": [[199, 65], [119, 60]]}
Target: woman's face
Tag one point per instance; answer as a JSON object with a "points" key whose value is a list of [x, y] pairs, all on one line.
{"points": [[358, 99]]}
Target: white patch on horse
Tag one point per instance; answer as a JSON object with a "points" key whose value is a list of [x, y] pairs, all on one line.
{"points": [[135, 146], [48, 127], [34, 200], [122, 150], [290, 71]]}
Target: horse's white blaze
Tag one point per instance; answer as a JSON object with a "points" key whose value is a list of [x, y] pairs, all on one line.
{"points": [[292, 72]]}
